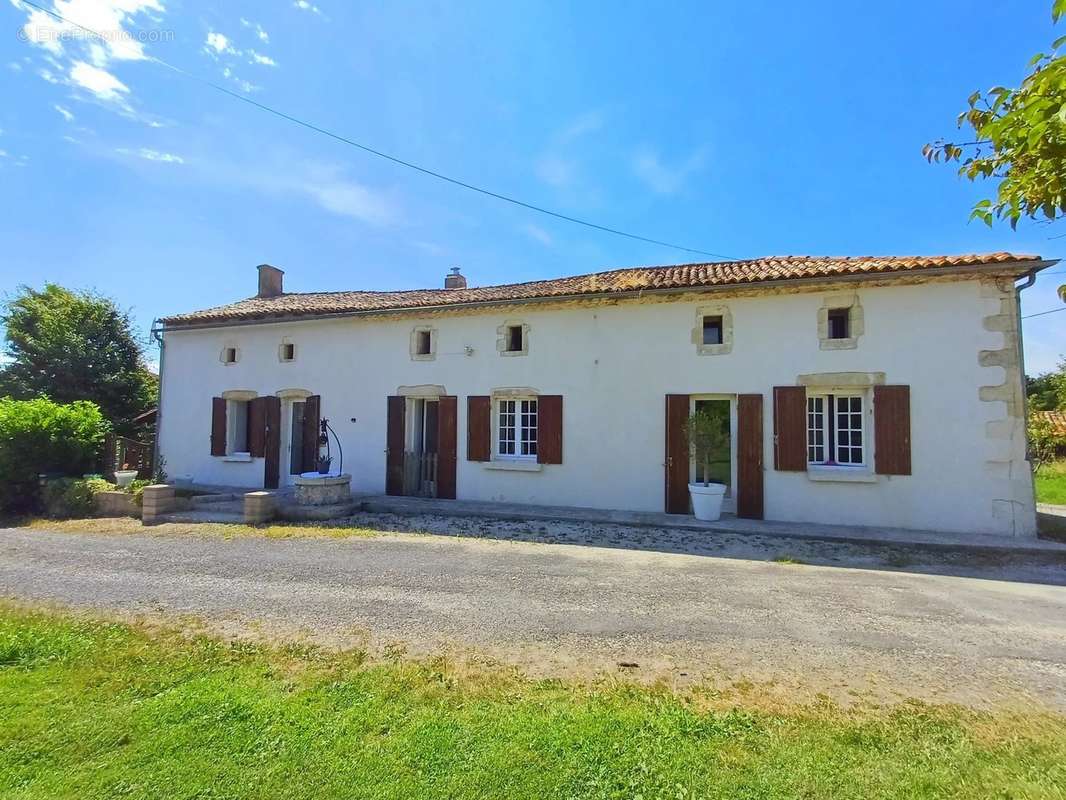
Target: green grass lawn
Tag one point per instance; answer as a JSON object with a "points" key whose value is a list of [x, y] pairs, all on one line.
{"points": [[1051, 483], [89, 709]]}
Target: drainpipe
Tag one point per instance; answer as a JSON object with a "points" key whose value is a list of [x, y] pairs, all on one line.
{"points": [[157, 335]]}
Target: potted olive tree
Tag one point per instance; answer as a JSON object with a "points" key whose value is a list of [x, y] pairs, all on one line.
{"points": [[706, 432]]}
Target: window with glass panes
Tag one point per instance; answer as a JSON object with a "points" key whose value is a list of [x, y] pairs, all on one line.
{"points": [[835, 430], [516, 432]]}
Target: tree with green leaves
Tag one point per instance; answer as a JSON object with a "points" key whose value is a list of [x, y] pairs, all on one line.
{"points": [[1020, 139], [1047, 392], [69, 346]]}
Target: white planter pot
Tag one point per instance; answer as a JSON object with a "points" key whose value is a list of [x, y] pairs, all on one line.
{"points": [[124, 477], [707, 500]]}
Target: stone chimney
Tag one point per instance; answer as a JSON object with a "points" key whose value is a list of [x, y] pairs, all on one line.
{"points": [[270, 281], [455, 280]]}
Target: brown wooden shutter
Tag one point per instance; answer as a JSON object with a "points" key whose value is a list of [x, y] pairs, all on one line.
{"points": [[479, 428], [447, 445], [749, 456], [790, 428], [271, 441], [550, 429], [309, 446], [394, 443], [892, 430], [218, 426], [257, 427], [677, 458]]}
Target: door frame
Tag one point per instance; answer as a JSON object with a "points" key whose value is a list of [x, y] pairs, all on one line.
{"points": [[287, 398], [729, 502]]}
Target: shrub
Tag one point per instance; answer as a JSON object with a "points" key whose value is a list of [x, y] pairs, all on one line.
{"points": [[72, 497], [136, 488], [41, 437]]}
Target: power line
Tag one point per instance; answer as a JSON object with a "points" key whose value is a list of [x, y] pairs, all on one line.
{"points": [[1042, 313], [410, 165]]}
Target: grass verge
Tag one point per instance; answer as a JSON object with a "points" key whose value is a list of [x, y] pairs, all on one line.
{"points": [[91, 709], [129, 525], [1051, 483]]}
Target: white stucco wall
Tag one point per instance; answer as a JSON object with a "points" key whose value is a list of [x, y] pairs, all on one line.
{"points": [[613, 364]]}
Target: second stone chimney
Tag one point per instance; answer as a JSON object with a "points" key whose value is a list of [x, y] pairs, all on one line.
{"points": [[270, 281], [455, 280]]}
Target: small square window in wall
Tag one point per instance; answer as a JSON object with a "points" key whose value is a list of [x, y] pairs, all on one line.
{"points": [[840, 322], [712, 330], [287, 351], [713, 333], [512, 339], [229, 355], [423, 343]]}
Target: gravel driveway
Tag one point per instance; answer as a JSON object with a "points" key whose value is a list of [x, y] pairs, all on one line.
{"points": [[580, 611]]}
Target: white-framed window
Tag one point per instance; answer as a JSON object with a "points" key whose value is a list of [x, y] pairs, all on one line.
{"points": [[836, 430], [228, 355], [236, 427], [287, 352], [516, 428]]}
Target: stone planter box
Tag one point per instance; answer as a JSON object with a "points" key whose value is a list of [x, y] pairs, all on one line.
{"points": [[323, 490], [115, 504]]}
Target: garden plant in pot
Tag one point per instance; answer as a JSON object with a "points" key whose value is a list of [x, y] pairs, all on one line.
{"points": [[707, 433]]}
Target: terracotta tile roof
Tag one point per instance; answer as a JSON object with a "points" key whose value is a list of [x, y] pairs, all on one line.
{"points": [[679, 276]]}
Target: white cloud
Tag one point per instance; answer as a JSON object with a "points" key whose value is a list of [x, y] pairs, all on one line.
{"points": [[218, 43], [304, 5], [98, 81], [555, 170], [259, 58], [664, 179], [350, 199], [64, 113], [588, 122], [538, 234], [264, 37], [14, 66], [105, 17], [151, 155], [48, 75]]}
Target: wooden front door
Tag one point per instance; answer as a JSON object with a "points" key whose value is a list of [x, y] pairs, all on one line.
{"points": [[447, 445], [394, 444], [272, 442], [677, 459], [749, 456]]}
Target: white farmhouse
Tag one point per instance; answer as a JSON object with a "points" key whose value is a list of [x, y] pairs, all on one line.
{"points": [[860, 391]]}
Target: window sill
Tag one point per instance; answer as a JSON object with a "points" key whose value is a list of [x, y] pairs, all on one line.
{"points": [[238, 457], [840, 474], [513, 465]]}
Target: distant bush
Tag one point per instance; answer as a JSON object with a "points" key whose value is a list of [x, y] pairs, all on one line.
{"points": [[41, 437]]}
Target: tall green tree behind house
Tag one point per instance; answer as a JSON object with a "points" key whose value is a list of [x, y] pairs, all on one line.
{"points": [[69, 346], [1018, 138]]}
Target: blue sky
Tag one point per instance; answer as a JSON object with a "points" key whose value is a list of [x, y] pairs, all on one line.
{"points": [[745, 129]]}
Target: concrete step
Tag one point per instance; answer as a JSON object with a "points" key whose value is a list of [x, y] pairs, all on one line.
{"points": [[212, 499], [226, 517]]}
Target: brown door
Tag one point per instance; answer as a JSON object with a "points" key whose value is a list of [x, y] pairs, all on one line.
{"points": [[447, 418], [272, 441], [749, 456], [677, 459], [394, 443]]}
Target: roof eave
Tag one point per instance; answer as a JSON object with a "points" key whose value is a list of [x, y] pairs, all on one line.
{"points": [[1015, 268]]}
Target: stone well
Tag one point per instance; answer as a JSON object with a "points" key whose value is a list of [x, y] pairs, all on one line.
{"points": [[313, 489]]}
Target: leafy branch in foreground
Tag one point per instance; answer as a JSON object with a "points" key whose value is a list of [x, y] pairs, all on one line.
{"points": [[1020, 139]]}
